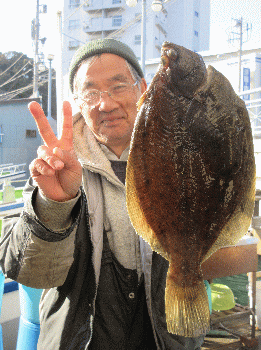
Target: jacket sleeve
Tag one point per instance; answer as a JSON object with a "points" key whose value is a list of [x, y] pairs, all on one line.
{"points": [[31, 253]]}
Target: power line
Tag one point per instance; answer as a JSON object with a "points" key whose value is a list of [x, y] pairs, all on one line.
{"points": [[19, 76], [11, 94], [9, 80], [11, 65]]}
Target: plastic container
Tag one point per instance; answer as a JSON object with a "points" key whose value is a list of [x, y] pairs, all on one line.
{"points": [[1, 338], [29, 327], [29, 303], [207, 285], [258, 304], [2, 283], [222, 297], [28, 335]]}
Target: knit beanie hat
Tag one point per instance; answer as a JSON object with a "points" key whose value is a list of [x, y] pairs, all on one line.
{"points": [[100, 46]]}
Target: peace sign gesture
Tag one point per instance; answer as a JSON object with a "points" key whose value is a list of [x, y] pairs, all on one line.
{"points": [[57, 170]]}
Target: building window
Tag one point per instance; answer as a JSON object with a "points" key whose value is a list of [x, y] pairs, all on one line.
{"points": [[246, 82], [195, 33], [74, 24], [74, 3], [1, 134], [73, 45], [116, 21], [196, 13], [137, 39], [30, 133]]}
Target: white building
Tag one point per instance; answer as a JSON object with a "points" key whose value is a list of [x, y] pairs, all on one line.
{"points": [[228, 65], [250, 78], [184, 22]]}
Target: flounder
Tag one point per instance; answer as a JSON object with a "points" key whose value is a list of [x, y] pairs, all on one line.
{"points": [[190, 177]]}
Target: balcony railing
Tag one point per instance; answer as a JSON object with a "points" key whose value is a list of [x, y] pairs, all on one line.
{"points": [[103, 24], [96, 5]]}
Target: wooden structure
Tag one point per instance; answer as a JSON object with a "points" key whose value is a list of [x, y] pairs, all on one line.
{"points": [[235, 260], [228, 261]]}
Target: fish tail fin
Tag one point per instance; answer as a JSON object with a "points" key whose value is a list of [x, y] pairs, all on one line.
{"points": [[141, 100], [187, 308]]}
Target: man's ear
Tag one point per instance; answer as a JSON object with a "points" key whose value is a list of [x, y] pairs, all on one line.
{"points": [[76, 100], [143, 85]]}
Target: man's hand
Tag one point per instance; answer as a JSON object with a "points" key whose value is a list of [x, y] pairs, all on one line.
{"points": [[57, 170]]}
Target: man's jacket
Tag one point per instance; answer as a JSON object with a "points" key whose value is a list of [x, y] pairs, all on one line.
{"points": [[67, 266]]}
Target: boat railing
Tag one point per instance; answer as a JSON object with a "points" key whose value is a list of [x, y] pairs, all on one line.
{"points": [[29, 323], [11, 172]]}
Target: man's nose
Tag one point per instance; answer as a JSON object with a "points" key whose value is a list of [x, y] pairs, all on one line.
{"points": [[107, 103]]}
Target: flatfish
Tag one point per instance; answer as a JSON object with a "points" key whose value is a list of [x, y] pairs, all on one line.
{"points": [[190, 177]]}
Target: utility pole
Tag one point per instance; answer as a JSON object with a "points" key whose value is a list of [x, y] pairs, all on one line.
{"points": [[156, 6], [143, 35], [49, 114], [36, 49], [35, 34], [239, 25], [59, 77], [236, 32]]}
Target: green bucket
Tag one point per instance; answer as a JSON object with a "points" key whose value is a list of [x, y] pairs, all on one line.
{"points": [[222, 297]]}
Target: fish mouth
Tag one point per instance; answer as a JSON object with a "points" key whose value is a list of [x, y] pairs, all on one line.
{"points": [[168, 53]]}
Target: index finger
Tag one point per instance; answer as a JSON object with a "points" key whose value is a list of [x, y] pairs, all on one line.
{"points": [[43, 125], [67, 127]]}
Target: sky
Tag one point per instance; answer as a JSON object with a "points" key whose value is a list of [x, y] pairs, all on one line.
{"points": [[222, 12], [16, 17], [15, 26]]}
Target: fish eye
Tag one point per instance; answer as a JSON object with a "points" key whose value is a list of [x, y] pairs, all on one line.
{"points": [[172, 54]]}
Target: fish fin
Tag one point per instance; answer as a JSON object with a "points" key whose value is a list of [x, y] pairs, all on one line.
{"points": [[141, 100], [187, 308], [238, 225], [136, 213]]}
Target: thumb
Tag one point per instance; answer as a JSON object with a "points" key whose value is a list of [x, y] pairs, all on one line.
{"points": [[67, 157]]}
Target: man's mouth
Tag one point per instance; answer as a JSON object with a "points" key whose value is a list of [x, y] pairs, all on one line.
{"points": [[111, 121]]}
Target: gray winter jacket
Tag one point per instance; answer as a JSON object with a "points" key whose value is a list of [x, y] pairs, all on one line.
{"points": [[67, 264]]}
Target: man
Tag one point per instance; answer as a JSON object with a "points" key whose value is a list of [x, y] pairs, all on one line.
{"points": [[104, 287]]}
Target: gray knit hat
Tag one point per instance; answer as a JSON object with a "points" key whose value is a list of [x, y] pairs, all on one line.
{"points": [[100, 46]]}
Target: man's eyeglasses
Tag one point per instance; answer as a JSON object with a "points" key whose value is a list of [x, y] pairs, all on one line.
{"points": [[92, 97]]}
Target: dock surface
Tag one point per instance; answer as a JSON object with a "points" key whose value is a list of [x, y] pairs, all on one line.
{"points": [[218, 338]]}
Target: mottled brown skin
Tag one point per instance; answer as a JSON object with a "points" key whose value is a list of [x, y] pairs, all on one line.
{"points": [[191, 162], [185, 164]]}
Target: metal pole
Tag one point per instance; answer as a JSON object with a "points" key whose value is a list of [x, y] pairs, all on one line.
{"points": [[59, 78], [240, 54], [50, 90], [143, 36], [37, 25], [102, 18]]}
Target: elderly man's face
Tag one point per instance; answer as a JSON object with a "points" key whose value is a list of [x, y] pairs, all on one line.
{"points": [[111, 120]]}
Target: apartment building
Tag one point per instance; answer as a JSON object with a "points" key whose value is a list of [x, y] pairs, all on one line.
{"points": [[184, 22], [19, 138]]}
